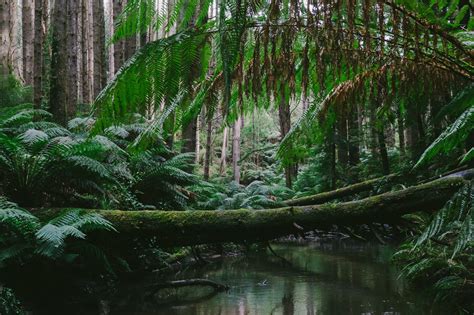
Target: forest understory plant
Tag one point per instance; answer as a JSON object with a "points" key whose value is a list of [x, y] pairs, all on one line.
{"points": [[440, 254]]}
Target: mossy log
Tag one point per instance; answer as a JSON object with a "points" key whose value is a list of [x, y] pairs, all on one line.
{"points": [[341, 192], [180, 228]]}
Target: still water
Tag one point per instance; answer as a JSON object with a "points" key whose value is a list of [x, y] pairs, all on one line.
{"points": [[323, 278]]}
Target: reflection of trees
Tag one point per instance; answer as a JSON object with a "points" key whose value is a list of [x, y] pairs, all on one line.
{"points": [[288, 298]]}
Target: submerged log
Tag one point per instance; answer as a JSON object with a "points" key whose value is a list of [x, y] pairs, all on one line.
{"points": [[341, 192], [180, 228], [191, 282]]}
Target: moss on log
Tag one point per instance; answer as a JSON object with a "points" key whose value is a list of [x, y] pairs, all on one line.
{"points": [[179, 228], [341, 192]]}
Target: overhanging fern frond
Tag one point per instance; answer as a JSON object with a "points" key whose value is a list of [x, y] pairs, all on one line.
{"points": [[451, 138]]}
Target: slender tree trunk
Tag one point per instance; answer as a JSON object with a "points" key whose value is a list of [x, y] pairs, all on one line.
{"points": [[401, 131], [190, 136], [331, 147], [38, 54], [383, 151], [100, 63], [90, 49], [109, 21], [236, 149], [223, 161], [354, 138], [130, 44], [59, 63], [119, 47], [85, 56], [284, 116], [28, 41], [73, 9], [197, 150], [6, 64], [207, 157], [342, 147]]}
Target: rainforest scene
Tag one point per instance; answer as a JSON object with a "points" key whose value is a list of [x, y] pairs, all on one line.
{"points": [[236, 157]]}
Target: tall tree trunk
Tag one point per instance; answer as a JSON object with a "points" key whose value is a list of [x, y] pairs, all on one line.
{"points": [[331, 149], [38, 54], [207, 157], [85, 55], [223, 161], [197, 150], [236, 149], [401, 131], [73, 9], [190, 136], [342, 142], [100, 64], [383, 151], [59, 63], [119, 47], [109, 9], [90, 49], [28, 41], [130, 44], [354, 138], [284, 116], [6, 64]]}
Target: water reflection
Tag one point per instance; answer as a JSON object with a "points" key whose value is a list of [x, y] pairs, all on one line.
{"points": [[330, 278]]}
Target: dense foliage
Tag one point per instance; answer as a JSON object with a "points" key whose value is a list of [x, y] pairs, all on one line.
{"points": [[310, 95]]}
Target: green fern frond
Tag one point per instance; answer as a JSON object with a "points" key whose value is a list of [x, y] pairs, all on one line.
{"points": [[451, 137]]}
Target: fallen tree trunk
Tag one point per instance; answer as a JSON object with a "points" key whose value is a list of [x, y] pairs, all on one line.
{"points": [[191, 282], [341, 192], [180, 228]]}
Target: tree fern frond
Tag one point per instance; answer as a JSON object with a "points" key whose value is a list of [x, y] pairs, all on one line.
{"points": [[451, 137]]}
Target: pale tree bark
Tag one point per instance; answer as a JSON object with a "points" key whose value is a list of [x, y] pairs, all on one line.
{"points": [[223, 161], [38, 53], [28, 41], [100, 64], [90, 49], [7, 40], [236, 130], [208, 156], [110, 31]]}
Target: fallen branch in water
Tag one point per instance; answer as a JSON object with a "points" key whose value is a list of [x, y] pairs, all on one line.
{"points": [[190, 282]]}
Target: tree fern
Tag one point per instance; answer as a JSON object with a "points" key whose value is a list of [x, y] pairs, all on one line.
{"points": [[451, 138]]}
